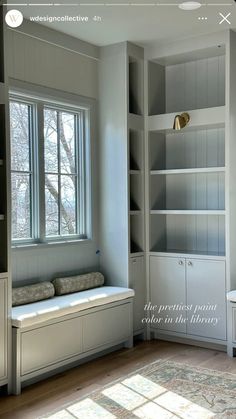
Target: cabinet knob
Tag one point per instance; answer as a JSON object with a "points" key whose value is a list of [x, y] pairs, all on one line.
{"points": [[181, 262], [190, 263]]}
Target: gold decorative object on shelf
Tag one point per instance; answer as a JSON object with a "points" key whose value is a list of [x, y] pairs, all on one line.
{"points": [[181, 121]]}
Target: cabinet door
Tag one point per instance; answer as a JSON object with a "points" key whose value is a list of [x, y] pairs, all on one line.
{"points": [[168, 293], [138, 283], [3, 328], [206, 296]]}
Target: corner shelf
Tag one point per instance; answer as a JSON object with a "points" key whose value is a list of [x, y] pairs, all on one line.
{"points": [[135, 212], [136, 254], [135, 122], [2, 93], [135, 172]]}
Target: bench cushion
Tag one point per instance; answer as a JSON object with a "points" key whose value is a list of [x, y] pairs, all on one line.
{"points": [[31, 293], [31, 314], [78, 283], [231, 296]]}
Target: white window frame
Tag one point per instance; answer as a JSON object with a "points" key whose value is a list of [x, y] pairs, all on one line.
{"points": [[39, 99]]}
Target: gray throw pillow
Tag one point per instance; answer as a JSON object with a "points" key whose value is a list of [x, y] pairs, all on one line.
{"points": [[32, 293], [77, 283]]}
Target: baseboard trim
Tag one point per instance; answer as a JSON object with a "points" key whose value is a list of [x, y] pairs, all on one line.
{"points": [[188, 341]]}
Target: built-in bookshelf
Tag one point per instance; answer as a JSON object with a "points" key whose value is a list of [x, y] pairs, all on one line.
{"points": [[136, 190], [137, 278], [187, 174], [187, 82], [136, 155], [121, 154], [187, 167]]}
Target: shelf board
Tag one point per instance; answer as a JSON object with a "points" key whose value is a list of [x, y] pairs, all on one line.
{"points": [[135, 122], [1, 217], [187, 212], [199, 119], [188, 254], [187, 171], [135, 212], [136, 254], [135, 172]]}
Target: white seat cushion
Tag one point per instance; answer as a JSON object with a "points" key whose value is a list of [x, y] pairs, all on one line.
{"points": [[31, 314], [231, 296]]}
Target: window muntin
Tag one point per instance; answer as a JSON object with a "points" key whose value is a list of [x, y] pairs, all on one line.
{"points": [[56, 205]]}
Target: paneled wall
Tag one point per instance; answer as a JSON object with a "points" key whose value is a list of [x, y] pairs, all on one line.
{"points": [[35, 61], [195, 85], [47, 262]]}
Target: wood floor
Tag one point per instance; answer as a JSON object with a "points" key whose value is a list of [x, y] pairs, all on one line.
{"points": [[44, 397]]}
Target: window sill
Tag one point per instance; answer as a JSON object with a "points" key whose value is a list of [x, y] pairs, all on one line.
{"points": [[49, 244]]}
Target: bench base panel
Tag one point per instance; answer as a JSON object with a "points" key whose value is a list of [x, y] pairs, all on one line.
{"points": [[45, 348]]}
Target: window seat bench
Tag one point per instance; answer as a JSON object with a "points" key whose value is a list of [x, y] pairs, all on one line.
{"points": [[53, 333]]}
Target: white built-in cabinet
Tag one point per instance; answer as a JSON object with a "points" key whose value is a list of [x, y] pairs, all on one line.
{"points": [[189, 295], [190, 188], [167, 207], [138, 283]]}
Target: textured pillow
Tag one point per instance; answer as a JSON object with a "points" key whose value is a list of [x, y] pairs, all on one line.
{"points": [[78, 283], [31, 293]]}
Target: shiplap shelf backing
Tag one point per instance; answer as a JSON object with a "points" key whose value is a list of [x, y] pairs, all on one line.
{"points": [[200, 234], [190, 85], [204, 148], [201, 191]]}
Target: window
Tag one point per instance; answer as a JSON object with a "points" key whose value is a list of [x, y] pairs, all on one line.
{"points": [[21, 165], [49, 171]]}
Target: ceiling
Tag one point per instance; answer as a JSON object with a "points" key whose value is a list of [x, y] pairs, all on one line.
{"points": [[140, 21]]}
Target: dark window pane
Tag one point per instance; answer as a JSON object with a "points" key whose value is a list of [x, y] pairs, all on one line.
{"points": [[21, 211], [19, 126], [51, 205]]}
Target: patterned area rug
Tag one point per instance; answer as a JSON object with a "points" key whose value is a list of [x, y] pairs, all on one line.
{"points": [[161, 390]]}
